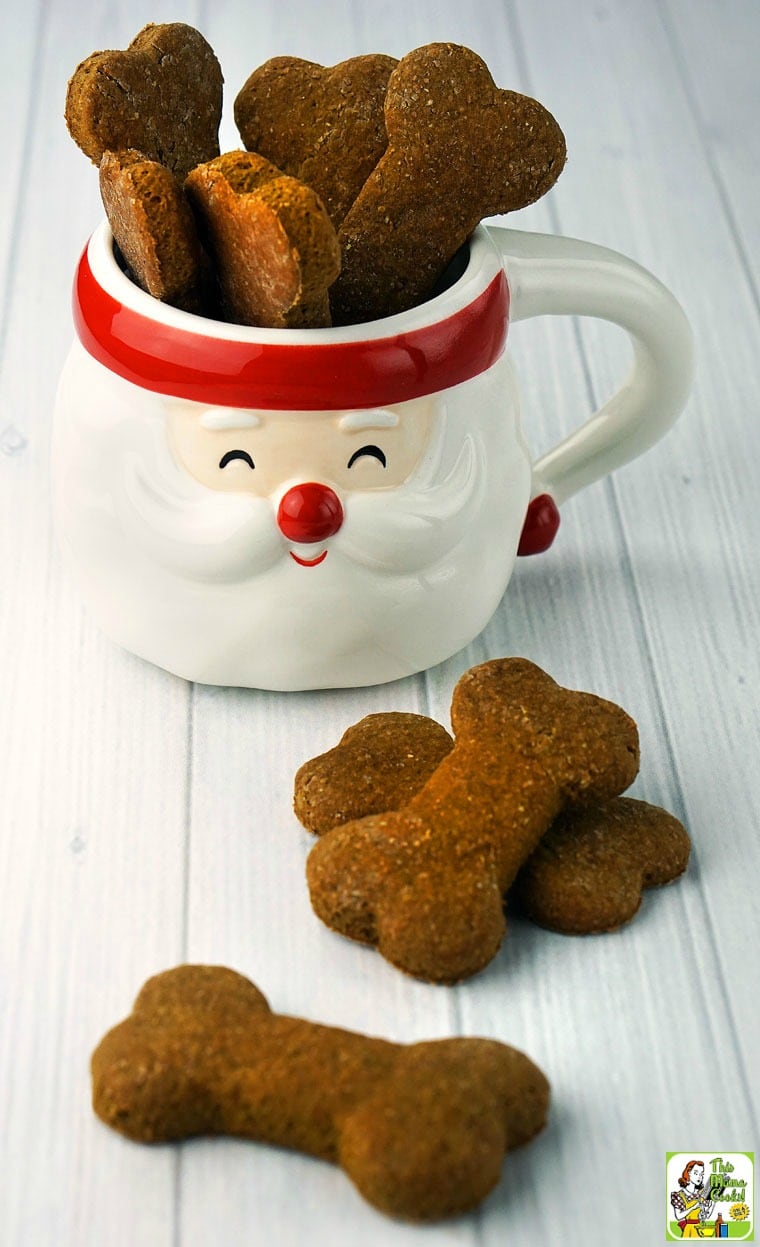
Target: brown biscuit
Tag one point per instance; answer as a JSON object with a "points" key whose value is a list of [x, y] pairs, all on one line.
{"points": [[420, 1129], [162, 96], [323, 126], [271, 240], [586, 875], [425, 883], [378, 765], [459, 150], [590, 869], [153, 227]]}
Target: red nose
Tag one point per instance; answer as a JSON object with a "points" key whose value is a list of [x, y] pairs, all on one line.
{"points": [[309, 513]]}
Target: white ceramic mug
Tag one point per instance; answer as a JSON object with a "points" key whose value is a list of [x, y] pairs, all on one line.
{"points": [[295, 509]]}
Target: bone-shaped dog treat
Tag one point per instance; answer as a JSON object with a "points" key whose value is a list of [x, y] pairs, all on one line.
{"points": [[458, 150], [153, 226], [272, 242], [421, 1130], [590, 869], [162, 96], [324, 126], [586, 875], [425, 883]]}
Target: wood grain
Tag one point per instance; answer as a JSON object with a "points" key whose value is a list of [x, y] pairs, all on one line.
{"points": [[147, 822]]}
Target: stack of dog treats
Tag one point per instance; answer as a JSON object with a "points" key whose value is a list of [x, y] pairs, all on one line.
{"points": [[423, 837], [358, 185]]}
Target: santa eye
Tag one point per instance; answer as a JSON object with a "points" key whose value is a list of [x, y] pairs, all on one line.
{"points": [[236, 454], [374, 451]]}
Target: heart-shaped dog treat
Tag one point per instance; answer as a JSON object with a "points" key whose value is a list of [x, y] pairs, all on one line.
{"points": [[458, 150], [324, 126], [272, 242], [379, 764], [589, 871], [153, 226], [162, 96]]}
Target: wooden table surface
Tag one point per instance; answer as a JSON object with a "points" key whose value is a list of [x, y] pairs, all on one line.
{"points": [[146, 822]]}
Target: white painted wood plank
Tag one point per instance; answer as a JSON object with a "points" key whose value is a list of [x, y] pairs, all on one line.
{"points": [[716, 50], [18, 51], [92, 752]]}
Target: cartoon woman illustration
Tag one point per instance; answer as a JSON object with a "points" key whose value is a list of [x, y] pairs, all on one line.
{"points": [[692, 1204]]}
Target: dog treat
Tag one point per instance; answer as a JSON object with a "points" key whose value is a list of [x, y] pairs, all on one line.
{"points": [[590, 869], [420, 1129], [458, 150], [425, 883], [378, 765], [324, 126], [162, 96], [153, 227], [271, 239], [586, 875]]}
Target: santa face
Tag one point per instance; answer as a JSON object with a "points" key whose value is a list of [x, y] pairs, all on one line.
{"points": [[304, 462], [290, 550]]}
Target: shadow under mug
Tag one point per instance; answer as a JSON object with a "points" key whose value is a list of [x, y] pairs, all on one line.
{"points": [[296, 509]]}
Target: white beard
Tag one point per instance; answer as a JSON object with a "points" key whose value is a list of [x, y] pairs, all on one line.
{"points": [[201, 581]]}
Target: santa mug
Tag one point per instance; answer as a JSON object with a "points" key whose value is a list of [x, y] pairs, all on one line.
{"points": [[297, 509]]}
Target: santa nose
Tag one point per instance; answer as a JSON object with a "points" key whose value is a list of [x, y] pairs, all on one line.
{"points": [[309, 513]]}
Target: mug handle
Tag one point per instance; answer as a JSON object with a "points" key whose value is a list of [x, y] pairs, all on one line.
{"points": [[552, 275]]}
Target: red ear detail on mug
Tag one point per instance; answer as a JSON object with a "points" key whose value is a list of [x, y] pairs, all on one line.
{"points": [[540, 527]]}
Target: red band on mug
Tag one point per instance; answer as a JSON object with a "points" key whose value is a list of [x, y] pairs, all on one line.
{"points": [[319, 376]]}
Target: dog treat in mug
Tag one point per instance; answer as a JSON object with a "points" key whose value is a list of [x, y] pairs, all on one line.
{"points": [[421, 1130], [273, 244], [153, 226], [407, 158], [162, 96], [586, 875], [458, 150], [425, 884], [322, 125]]}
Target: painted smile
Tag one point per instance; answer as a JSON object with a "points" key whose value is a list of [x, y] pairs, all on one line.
{"points": [[308, 562]]}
